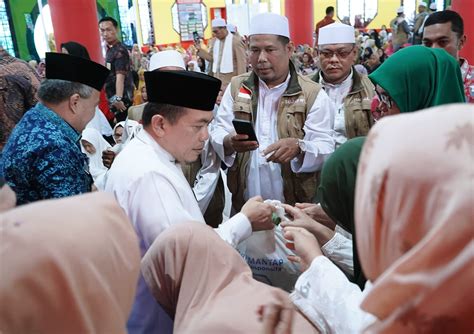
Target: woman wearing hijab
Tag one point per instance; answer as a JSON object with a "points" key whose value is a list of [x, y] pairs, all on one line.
{"points": [[68, 266], [75, 49], [92, 145], [417, 78]]}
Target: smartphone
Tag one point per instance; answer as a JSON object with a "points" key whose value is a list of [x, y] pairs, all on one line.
{"points": [[245, 128], [196, 36]]}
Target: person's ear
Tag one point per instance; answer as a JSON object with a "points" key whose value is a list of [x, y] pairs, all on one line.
{"points": [[73, 102], [159, 125], [462, 42], [290, 48]]}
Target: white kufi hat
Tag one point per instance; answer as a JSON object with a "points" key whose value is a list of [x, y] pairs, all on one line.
{"points": [[269, 24], [217, 23], [336, 33], [166, 58]]}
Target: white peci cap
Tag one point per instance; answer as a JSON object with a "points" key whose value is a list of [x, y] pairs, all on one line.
{"points": [[422, 3], [269, 24], [166, 58], [433, 6], [217, 23], [336, 33], [400, 10]]}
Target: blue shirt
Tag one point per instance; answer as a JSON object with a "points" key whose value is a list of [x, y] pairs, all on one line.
{"points": [[42, 158]]}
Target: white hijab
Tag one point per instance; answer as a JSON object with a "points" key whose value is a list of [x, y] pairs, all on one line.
{"points": [[96, 167]]}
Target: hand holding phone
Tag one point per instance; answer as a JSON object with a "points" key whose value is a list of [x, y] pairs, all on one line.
{"points": [[245, 128], [245, 140]]}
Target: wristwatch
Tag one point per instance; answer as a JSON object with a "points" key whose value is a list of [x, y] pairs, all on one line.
{"points": [[302, 145], [115, 98]]}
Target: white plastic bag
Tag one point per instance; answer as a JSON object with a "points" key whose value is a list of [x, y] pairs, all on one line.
{"points": [[266, 254]]}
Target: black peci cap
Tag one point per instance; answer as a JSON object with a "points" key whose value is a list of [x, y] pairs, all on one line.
{"points": [[182, 88], [63, 66]]}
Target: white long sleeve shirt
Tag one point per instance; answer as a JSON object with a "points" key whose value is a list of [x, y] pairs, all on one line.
{"points": [[150, 187], [264, 178], [327, 298]]}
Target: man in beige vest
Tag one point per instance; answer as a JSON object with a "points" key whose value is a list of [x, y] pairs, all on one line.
{"points": [[350, 92], [293, 120], [400, 30], [227, 53]]}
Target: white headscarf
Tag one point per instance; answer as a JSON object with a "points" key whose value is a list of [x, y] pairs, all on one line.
{"points": [[100, 123], [96, 167]]}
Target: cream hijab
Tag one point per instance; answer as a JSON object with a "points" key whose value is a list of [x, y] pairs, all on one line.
{"points": [[205, 285], [415, 222], [67, 266]]}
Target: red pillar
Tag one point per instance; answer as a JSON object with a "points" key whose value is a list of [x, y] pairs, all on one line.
{"points": [[464, 8], [77, 21], [300, 17]]}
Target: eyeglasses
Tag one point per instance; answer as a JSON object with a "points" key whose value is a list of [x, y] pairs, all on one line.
{"points": [[341, 53], [385, 99]]}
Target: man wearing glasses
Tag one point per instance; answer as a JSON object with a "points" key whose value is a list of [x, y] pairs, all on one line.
{"points": [[350, 92], [226, 55]]}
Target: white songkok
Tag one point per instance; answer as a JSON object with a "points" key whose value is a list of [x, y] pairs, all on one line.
{"points": [[217, 23], [433, 6], [400, 10], [269, 24], [422, 3], [166, 58], [336, 33], [231, 27]]}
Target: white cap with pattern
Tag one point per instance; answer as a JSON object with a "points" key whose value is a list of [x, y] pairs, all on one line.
{"points": [[269, 24]]}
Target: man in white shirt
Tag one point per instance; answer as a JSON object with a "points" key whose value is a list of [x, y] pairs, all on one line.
{"points": [[292, 116], [227, 53], [147, 180], [350, 92]]}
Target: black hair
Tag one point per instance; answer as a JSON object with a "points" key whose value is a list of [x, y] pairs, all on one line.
{"points": [[76, 49], [329, 10], [109, 19], [283, 40], [170, 112], [457, 24]]}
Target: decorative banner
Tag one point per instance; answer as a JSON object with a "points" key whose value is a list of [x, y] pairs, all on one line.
{"points": [[189, 16]]}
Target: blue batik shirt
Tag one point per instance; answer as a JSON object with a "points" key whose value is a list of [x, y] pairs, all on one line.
{"points": [[42, 158]]}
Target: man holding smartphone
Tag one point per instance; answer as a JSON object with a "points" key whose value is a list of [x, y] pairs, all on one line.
{"points": [[292, 117]]}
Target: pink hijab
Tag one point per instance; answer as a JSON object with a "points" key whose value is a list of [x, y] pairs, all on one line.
{"points": [[414, 221], [206, 286], [67, 266]]}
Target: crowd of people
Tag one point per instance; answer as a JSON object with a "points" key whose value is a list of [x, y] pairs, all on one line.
{"points": [[244, 184]]}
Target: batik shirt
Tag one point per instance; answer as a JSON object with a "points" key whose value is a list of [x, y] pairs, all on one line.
{"points": [[42, 158], [467, 72], [118, 62]]}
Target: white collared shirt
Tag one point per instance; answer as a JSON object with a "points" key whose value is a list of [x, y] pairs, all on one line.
{"points": [[337, 93]]}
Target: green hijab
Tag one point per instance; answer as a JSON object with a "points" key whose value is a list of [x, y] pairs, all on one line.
{"points": [[418, 77], [337, 192]]}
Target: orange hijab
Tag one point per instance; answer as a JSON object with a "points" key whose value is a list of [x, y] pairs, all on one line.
{"points": [[67, 266], [415, 223]]}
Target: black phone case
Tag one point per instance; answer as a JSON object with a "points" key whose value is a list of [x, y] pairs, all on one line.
{"points": [[245, 128]]}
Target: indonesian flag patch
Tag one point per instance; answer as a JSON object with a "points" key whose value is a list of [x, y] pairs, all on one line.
{"points": [[244, 93]]}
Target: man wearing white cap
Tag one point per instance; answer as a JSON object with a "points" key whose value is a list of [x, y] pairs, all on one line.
{"points": [[227, 54], [419, 21], [433, 7], [292, 116], [400, 30], [350, 92], [170, 60]]}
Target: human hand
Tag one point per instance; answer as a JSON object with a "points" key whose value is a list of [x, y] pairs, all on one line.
{"points": [[275, 318], [239, 143], [283, 150], [259, 214], [316, 212], [119, 105], [300, 219], [108, 157], [304, 244]]}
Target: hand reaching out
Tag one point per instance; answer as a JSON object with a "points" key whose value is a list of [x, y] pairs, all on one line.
{"points": [[304, 244]]}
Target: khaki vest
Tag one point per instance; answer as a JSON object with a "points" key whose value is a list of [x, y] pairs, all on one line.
{"points": [[293, 108], [357, 114]]}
